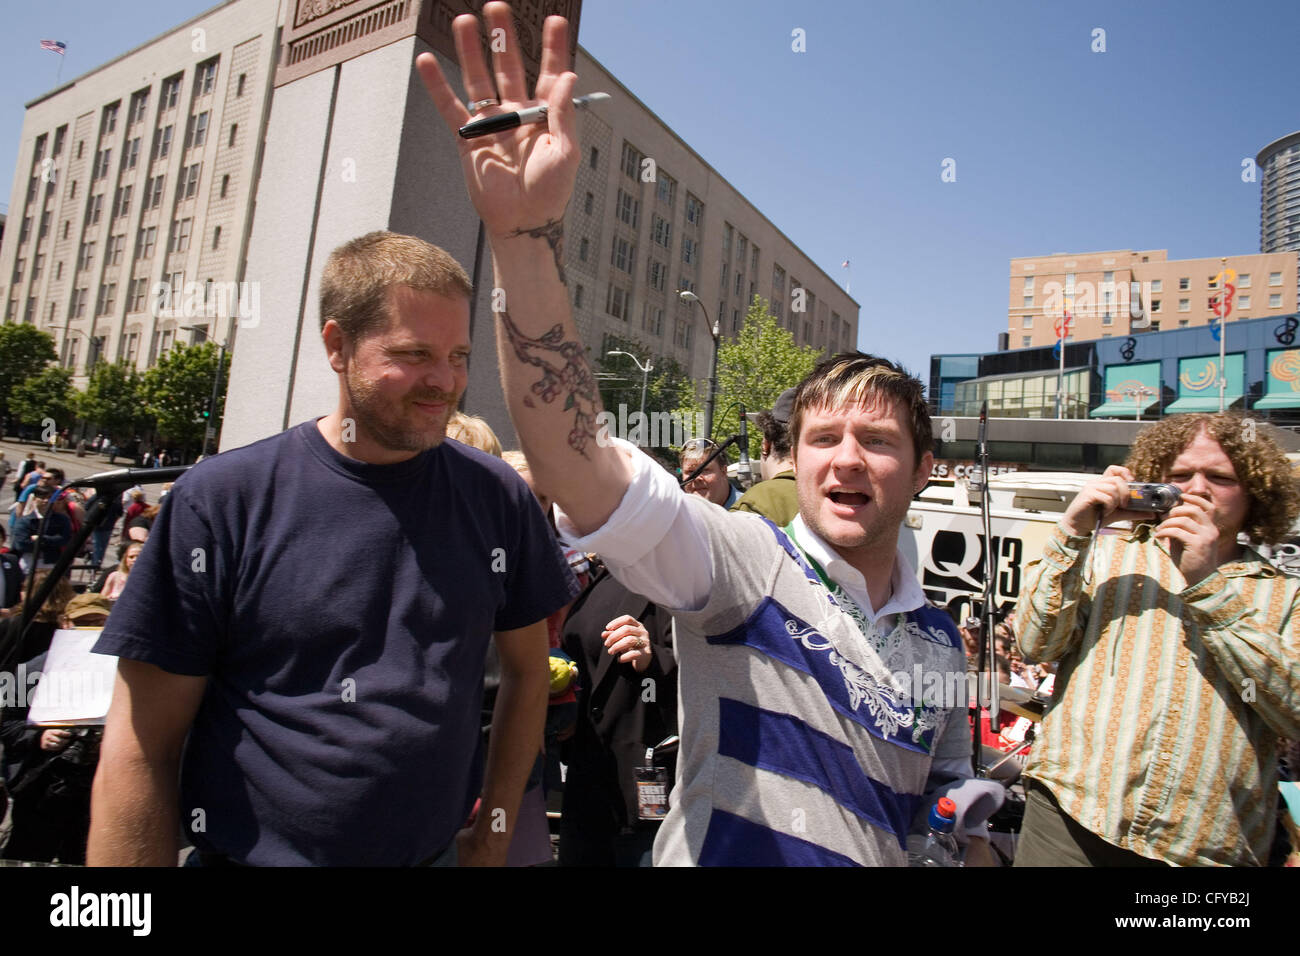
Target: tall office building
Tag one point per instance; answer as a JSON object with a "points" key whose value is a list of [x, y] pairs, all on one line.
{"points": [[134, 192], [199, 181]]}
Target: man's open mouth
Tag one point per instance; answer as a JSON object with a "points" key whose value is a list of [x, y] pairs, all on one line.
{"points": [[850, 498]]}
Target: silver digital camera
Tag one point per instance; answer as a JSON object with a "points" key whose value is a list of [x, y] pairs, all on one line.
{"points": [[1155, 497]]}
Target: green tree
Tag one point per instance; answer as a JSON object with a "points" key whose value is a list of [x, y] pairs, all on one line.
{"points": [[24, 351], [754, 368], [113, 402], [46, 395], [177, 390]]}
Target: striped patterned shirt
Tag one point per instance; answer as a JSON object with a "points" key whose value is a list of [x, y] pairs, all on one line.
{"points": [[1161, 736]]}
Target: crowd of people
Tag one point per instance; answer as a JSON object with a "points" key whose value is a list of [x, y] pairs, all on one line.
{"points": [[718, 674]]}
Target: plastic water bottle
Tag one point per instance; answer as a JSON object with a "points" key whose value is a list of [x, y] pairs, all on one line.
{"points": [[940, 847]]}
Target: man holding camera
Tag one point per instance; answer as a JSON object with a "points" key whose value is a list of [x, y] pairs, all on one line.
{"points": [[1180, 658]]}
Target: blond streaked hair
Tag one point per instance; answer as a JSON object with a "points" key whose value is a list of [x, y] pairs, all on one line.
{"points": [[354, 286], [516, 460], [474, 431], [1262, 467], [855, 377]]}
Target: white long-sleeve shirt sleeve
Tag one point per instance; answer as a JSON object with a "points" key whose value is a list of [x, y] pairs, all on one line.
{"points": [[652, 542]]}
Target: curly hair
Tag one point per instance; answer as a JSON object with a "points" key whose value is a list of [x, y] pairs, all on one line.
{"points": [[1262, 468]]}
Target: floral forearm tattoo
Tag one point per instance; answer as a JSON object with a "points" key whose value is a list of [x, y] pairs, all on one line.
{"points": [[564, 372], [553, 233]]}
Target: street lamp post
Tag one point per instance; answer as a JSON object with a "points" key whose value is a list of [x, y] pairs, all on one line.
{"points": [[645, 372], [687, 296], [1137, 393], [210, 431]]}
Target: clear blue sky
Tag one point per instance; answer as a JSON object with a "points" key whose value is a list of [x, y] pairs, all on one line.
{"points": [[1057, 148]]}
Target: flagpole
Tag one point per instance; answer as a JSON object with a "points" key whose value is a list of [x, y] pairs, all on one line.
{"points": [[1223, 335]]}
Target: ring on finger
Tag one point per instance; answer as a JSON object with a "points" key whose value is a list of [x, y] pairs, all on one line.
{"points": [[475, 105]]}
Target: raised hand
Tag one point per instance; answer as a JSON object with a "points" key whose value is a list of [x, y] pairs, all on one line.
{"points": [[628, 638], [519, 180], [1193, 537], [1109, 492]]}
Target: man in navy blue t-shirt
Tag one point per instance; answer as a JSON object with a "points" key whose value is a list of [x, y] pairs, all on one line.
{"points": [[312, 611]]}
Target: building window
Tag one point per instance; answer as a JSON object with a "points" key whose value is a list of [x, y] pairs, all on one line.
{"points": [[180, 235], [239, 85], [153, 190], [94, 209], [688, 251], [577, 296], [205, 78], [77, 305], [588, 203], [171, 89], [1028, 302], [131, 153], [139, 104], [1108, 319], [113, 251], [45, 225], [85, 256], [234, 130], [216, 237], [1157, 285], [593, 160], [136, 290], [1108, 277], [1069, 283], [1243, 302], [623, 255], [67, 224], [225, 184], [107, 295], [121, 202], [661, 232], [196, 133], [584, 248], [1184, 284], [666, 189], [652, 319], [1028, 322], [110, 118], [1029, 285], [38, 265], [1275, 300], [740, 276], [694, 210], [188, 183], [657, 275], [1275, 278], [629, 209], [1184, 305], [1155, 305], [1243, 281], [19, 266], [1184, 323], [617, 301], [162, 142], [99, 169], [631, 162]]}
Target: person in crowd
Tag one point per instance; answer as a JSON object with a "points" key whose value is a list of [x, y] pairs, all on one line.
{"points": [[1179, 657], [14, 646], [11, 574], [116, 581], [25, 468], [48, 770], [57, 530], [474, 431], [346, 729], [775, 497], [711, 483], [138, 528], [785, 672], [622, 643], [136, 505]]}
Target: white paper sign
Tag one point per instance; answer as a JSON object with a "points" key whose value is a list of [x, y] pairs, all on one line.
{"points": [[76, 686]]}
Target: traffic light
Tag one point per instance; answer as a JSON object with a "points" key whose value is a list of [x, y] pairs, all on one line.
{"points": [[207, 409]]}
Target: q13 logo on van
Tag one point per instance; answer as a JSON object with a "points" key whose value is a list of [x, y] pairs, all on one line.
{"points": [[955, 565]]}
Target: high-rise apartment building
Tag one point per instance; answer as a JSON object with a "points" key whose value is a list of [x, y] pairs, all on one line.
{"points": [[1279, 194], [1097, 289], [134, 192]]}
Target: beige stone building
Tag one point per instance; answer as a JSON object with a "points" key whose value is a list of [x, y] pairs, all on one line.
{"points": [[650, 217], [1097, 288], [134, 193]]}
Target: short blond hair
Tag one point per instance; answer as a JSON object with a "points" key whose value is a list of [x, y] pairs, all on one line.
{"points": [[354, 286], [474, 431]]}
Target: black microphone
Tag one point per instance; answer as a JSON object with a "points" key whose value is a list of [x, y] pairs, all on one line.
{"points": [[744, 449], [131, 476]]}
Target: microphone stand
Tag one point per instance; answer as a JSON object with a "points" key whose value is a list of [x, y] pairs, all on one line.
{"points": [[985, 696]]}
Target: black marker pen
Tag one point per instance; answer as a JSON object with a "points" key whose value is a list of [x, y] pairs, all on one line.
{"points": [[534, 114]]}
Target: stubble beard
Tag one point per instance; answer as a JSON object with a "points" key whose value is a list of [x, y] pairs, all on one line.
{"points": [[376, 417]]}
